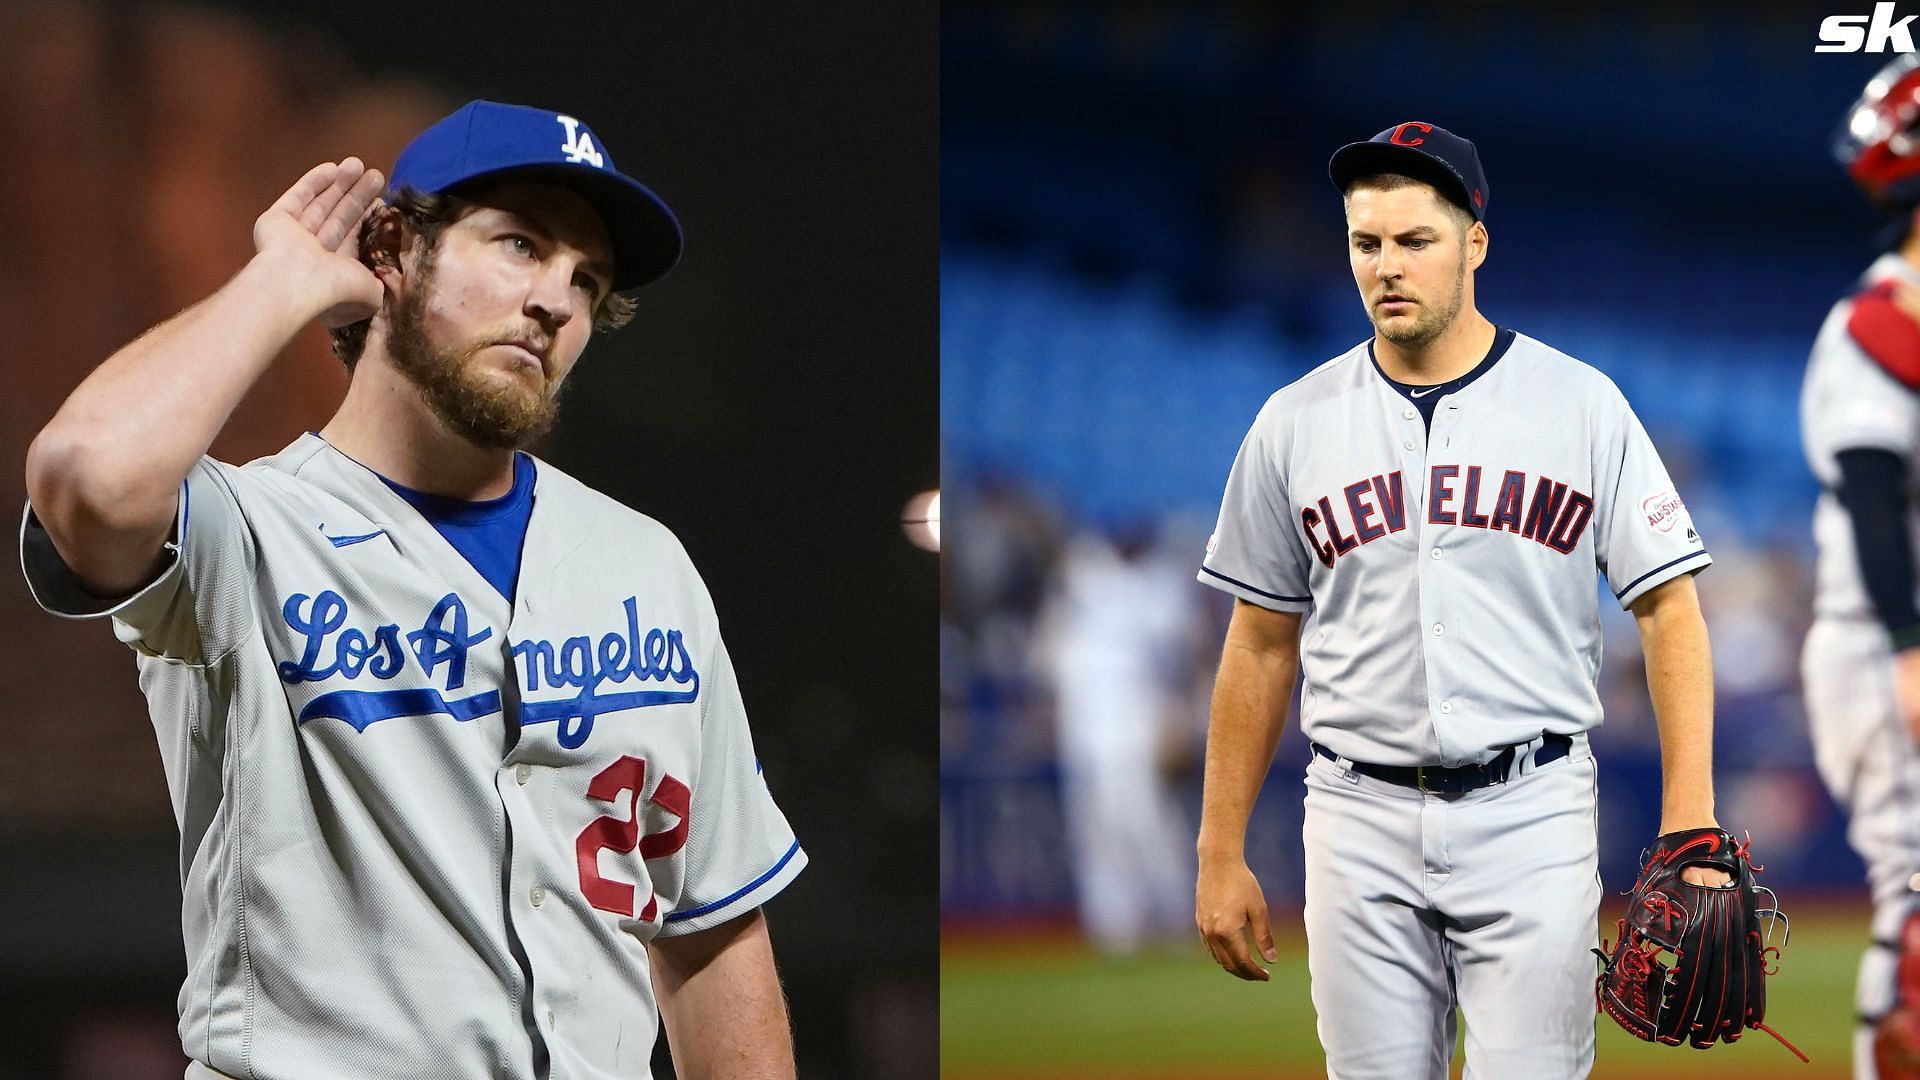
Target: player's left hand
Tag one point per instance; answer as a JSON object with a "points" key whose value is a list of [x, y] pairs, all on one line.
{"points": [[1691, 963], [1706, 876]]}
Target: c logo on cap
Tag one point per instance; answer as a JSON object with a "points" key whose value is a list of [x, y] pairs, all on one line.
{"points": [[1401, 130]]}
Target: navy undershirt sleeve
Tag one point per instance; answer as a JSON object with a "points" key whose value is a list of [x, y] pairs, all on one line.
{"points": [[1873, 488]]}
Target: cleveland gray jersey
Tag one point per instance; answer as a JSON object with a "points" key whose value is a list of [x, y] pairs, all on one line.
{"points": [[424, 833], [1850, 402], [1448, 578]]}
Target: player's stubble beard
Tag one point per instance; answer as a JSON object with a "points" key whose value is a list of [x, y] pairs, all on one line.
{"points": [[473, 406], [1430, 323]]}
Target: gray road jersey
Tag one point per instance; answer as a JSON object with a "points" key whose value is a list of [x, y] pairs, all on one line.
{"points": [[1849, 402], [1448, 578], [423, 833]]}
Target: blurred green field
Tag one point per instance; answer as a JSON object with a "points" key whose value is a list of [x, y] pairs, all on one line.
{"points": [[1042, 1007]]}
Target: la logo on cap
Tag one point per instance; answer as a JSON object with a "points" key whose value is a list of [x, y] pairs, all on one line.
{"points": [[579, 144]]}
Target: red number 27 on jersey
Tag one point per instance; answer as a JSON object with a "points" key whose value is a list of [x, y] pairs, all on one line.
{"points": [[628, 776]]}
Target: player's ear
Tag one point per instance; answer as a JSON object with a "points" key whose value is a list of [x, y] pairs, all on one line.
{"points": [[383, 237], [1477, 240]]}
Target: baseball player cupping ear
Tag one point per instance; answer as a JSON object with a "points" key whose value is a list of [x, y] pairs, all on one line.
{"points": [[464, 782]]}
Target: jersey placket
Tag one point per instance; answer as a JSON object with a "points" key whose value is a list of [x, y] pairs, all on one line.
{"points": [[490, 659], [523, 783], [1431, 565]]}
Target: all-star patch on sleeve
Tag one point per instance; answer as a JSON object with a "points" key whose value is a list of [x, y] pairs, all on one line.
{"points": [[1644, 535]]}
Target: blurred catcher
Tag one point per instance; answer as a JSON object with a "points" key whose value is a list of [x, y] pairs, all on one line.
{"points": [[1860, 422], [1119, 630]]}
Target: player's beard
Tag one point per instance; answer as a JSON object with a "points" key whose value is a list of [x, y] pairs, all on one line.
{"points": [[473, 405], [1431, 322]]}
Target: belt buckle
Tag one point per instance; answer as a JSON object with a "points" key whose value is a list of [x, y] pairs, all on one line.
{"points": [[1420, 778]]}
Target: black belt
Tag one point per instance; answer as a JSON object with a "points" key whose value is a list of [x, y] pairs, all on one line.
{"points": [[1454, 779]]}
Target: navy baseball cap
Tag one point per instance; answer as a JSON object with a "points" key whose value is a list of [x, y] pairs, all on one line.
{"points": [[1423, 151], [485, 140]]}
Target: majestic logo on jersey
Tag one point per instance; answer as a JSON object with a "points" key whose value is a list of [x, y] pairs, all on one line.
{"points": [[1556, 516], [333, 650]]}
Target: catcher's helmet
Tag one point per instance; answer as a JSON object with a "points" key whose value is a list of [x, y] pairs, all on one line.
{"points": [[1879, 138]]}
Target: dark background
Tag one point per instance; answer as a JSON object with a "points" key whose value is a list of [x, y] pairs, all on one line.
{"points": [[773, 402]]}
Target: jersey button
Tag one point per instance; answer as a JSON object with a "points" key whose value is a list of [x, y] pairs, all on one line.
{"points": [[1446, 706], [523, 772], [1409, 414], [1439, 629], [1408, 444], [1436, 554], [538, 896]]}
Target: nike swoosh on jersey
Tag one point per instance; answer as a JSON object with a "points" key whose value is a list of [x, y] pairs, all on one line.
{"points": [[1423, 393], [349, 541]]}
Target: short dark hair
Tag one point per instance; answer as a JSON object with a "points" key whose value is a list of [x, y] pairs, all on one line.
{"points": [[1388, 181], [427, 216]]}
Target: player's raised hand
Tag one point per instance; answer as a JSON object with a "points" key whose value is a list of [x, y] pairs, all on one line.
{"points": [[1230, 908], [313, 232]]}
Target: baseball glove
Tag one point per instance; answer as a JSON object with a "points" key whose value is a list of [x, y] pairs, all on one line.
{"points": [[1896, 1036], [1691, 964]]}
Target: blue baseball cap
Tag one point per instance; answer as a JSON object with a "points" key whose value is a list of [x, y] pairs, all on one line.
{"points": [[486, 140], [1423, 151]]}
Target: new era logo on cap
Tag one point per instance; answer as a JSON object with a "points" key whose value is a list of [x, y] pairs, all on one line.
{"points": [[490, 140]]}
